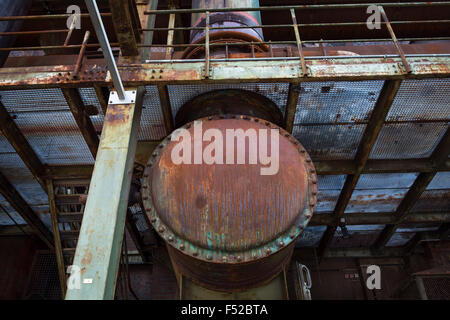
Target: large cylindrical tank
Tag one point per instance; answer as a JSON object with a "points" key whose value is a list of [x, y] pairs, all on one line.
{"points": [[11, 8], [229, 226]]}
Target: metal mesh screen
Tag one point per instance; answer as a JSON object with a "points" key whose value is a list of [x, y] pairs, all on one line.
{"points": [[437, 288], [407, 140], [437, 195], [180, 94], [336, 102], [44, 118], [421, 100], [89, 97], [152, 122], [4, 219], [330, 142], [44, 281], [380, 192], [329, 190]]}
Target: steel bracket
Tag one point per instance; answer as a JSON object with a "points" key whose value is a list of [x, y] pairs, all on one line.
{"points": [[130, 97]]}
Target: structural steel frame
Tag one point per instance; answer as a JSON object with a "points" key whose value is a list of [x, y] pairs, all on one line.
{"points": [[294, 70]]}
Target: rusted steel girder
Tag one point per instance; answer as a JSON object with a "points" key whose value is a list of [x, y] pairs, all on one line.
{"points": [[102, 231], [338, 69]]}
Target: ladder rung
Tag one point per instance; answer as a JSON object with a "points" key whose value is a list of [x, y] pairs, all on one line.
{"points": [[69, 234], [70, 216], [62, 199]]}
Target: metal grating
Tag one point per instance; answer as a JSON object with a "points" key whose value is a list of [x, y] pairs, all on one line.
{"points": [[380, 192], [436, 200], [55, 137], [4, 219], [44, 281], [421, 100], [44, 118], [338, 142], [152, 122], [437, 288], [89, 98], [407, 140], [329, 190], [180, 94], [40, 100], [336, 102]]}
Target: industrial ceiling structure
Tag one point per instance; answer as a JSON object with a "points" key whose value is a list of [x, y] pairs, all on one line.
{"points": [[370, 106]]}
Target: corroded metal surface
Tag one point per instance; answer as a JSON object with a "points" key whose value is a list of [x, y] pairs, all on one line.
{"points": [[230, 215], [229, 101]]}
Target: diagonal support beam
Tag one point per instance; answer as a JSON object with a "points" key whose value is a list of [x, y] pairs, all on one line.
{"points": [[377, 118], [21, 145], [438, 158], [291, 106], [82, 119], [21, 206], [101, 235]]}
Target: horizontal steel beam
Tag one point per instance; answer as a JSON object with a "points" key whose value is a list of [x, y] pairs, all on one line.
{"points": [[380, 218], [323, 167], [339, 69]]}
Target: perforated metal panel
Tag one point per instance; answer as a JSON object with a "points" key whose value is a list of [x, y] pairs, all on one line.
{"points": [[40, 100], [407, 140], [427, 99], [152, 122], [330, 142], [44, 281], [49, 127], [89, 98], [380, 192], [180, 94], [4, 219], [336, 102], [329, 190]]}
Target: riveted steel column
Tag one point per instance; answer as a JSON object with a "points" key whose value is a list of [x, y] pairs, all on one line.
{"points": [[100, 241]]}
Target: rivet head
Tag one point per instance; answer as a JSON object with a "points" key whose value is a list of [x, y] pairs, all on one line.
{"points": [[209, 257], [281, 243], [224, 259], [182, 247], [195, 253], [161, 229], [239, 258], [268, 251], [170, 238], [153, 220]]}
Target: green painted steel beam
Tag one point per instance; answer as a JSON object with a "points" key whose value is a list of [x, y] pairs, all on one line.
{"points": [[100, 241]]}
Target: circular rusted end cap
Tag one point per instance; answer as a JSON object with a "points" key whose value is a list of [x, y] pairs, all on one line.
{"points": [[230, 213]]}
